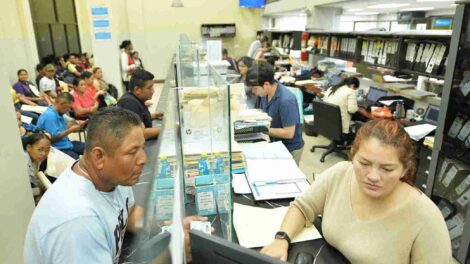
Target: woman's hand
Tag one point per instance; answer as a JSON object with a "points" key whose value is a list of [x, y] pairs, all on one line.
{"points": [[277, 249]]}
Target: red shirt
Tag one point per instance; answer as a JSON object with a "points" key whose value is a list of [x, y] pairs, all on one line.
{"points": [[82, 102], [90, 91]]}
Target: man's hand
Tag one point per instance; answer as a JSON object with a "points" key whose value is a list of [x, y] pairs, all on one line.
{"points": [[75, 128], [186, 227], [157, 115]]}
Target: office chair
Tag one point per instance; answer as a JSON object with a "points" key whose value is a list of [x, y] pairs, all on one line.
{"points": [[327, 122]]}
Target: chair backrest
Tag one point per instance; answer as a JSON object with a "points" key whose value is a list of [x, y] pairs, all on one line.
{"points": [[327, 120], [300, 100]]}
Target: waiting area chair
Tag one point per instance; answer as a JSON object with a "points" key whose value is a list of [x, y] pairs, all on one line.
{"points": [[327, 122]]}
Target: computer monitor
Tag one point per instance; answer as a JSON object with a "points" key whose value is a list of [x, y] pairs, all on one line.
{"points": [[374, 95], [432, 114], [212, 249]]}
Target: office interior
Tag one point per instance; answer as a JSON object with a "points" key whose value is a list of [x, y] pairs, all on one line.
{"points": [[408, 55]]}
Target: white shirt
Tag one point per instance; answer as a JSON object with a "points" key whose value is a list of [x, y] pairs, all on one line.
{"points": [[47, 85], [345, 98], [125, 67], [76, 223], [253, 50]]}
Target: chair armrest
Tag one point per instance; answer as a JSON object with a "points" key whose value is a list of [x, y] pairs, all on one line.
{"points": [[44, 180]]}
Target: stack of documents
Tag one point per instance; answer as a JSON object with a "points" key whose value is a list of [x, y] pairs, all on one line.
{"points": [[275, 179], [418, 132], [256, 226], [264, 150]]}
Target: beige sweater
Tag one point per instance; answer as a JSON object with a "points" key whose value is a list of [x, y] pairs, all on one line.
{"points": [[415, 233], [345, 98]]}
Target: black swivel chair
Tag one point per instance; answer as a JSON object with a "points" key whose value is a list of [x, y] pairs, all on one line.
{"points": [[327, 122]]}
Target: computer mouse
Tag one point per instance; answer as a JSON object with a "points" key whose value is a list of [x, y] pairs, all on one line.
{"points": [[304, 258]]}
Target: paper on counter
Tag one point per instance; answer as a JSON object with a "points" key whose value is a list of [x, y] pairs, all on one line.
{"points": [[240, 184], [256, 226], [264, 150], [419, 131]]}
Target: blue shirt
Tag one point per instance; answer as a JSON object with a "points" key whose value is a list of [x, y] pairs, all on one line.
{"points": [[284, 111], [76, 223], [54, 123]]}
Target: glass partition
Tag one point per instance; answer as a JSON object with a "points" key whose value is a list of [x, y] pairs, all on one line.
{"points": [[204, 109]]}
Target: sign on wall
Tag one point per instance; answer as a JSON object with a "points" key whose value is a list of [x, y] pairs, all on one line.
{"points": [[101, 24]]}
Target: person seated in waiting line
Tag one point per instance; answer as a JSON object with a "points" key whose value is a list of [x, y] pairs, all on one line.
{"points": [[141, 84], [281, 105], [72, 65], [39, 73], [372, 212], [30, 91], [344, 96], [84, 104], [91, 89], [19, 100], [83, 62], [48, 85], [53, 122], [102, 85], [36, 149], [61, 68]]}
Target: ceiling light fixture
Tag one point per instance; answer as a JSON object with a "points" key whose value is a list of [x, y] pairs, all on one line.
{"points": [[355, 10], [177, 3], [387, 6], [418, 9], [367, 13], [435, 0]]}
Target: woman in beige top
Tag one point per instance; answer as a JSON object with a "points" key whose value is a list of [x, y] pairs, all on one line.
{"points": [[371, 211], [344, 96], [101, 85]]}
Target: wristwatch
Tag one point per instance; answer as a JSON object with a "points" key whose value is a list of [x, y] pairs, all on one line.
{"points": [[282, 235]]}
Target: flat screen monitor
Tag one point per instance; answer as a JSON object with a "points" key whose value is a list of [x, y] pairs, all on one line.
{"points": [[375, 94], [432, 114], [443, 22], [252, 3], [212, 249]]}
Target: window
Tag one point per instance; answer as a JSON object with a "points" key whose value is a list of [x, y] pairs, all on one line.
{"points": [[55, 27]]}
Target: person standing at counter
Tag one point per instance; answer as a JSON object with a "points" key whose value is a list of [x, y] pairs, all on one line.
{"points": [[134, 100], [372, 212], [281, 105]]}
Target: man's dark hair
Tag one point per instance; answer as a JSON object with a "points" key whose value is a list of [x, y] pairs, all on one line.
{"points": [[39, 67], [224, 52], [140, 78], [86, 74], [264, 39], [66, 56], [76, 81], [64, 97], [260, 73], [108, 128]]}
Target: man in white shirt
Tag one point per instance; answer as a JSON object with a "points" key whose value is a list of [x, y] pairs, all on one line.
{"points": [[256, 46], [47, 84]]}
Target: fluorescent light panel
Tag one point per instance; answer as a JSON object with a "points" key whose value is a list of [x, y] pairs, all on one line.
{"points": [[367, 13], [418, 9], [385, 6], [434, 0]]}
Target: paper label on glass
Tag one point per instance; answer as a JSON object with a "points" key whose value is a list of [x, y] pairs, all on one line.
{"points": [[205, 201], [164, 204]]}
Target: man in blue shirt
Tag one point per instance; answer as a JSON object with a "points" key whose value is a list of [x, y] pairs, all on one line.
{"points": [[52, 121], [281, 106]]}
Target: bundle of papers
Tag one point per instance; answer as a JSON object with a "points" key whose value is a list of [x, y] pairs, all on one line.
{"points": [[418, 132], [36, 109], [256, 226]]}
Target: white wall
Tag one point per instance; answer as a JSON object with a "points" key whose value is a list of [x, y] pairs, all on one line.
{"points": [[291, 22], [16, 200], [324, 18]]}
